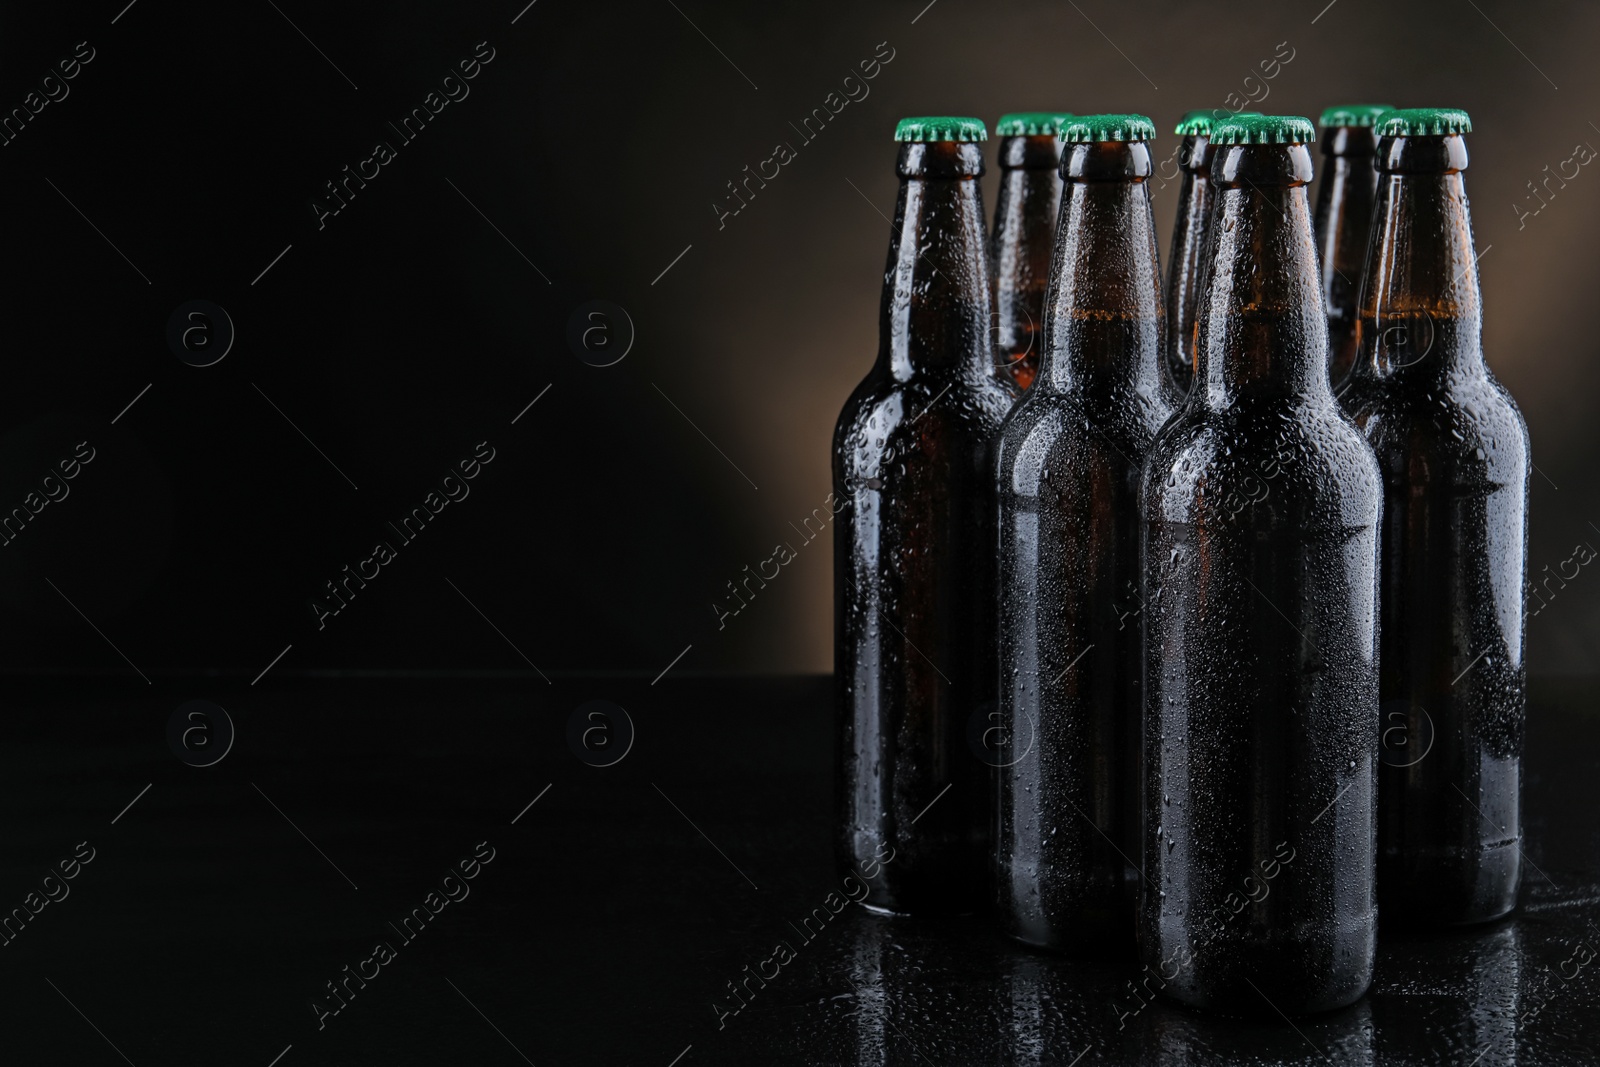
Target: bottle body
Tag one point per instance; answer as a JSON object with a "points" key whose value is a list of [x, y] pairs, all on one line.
{"points": [[1454, 456], [1261, 504], [1261, 733], [1024, 229], [1068, 464], [913, 580], [1453, 682], [1343, 221], [1187, 261]]}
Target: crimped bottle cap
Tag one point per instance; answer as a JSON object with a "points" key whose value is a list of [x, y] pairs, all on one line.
{"points": [[923, 128], [1199, 123], [1352, 115], [1264, 129], [1423, 122], [1085, 128], [1030, 123]]}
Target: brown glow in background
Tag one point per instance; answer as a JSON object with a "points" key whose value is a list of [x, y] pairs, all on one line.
{"points": [[805, 258], [591, 161]]}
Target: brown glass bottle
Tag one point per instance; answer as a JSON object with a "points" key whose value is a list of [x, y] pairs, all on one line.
{"points": [[1024, 227], [1261, 503], [914, 653], [1453, 450], [1343, 220], [1068, 464], [1188, 248]]}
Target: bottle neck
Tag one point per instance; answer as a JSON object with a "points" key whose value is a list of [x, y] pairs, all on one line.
{"points": [[1194, 155], [1344, 211], [1031, 152], [1349, 142], [1262, 328], [1421, 308], [1187, 262], [1024, 222], [934, 317], [1103, 322]]}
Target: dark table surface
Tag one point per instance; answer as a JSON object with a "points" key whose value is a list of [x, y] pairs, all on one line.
{"points": [[620, 904]]}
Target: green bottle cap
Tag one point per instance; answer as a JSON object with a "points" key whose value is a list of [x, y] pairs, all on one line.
{"points": [[1423, 122], [1352, 115], [1030, 123], [1086, 128], [1264, 129], [1199, 123], [923, 128]]}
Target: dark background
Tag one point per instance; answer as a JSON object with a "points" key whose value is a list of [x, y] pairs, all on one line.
{"points": [[416, 324]]}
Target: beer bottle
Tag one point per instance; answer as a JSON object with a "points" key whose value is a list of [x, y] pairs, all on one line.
{"points": [[1344, 215], [914, 652], [1024, 225], [1068, 462], [1188, 243], [1261, 504], [1453, 452]]}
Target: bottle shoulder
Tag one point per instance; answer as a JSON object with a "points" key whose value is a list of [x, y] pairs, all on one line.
{"points": [[1470, 426], [1253, 464], [1052, 426], [885, 418], [1044, 430]]}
